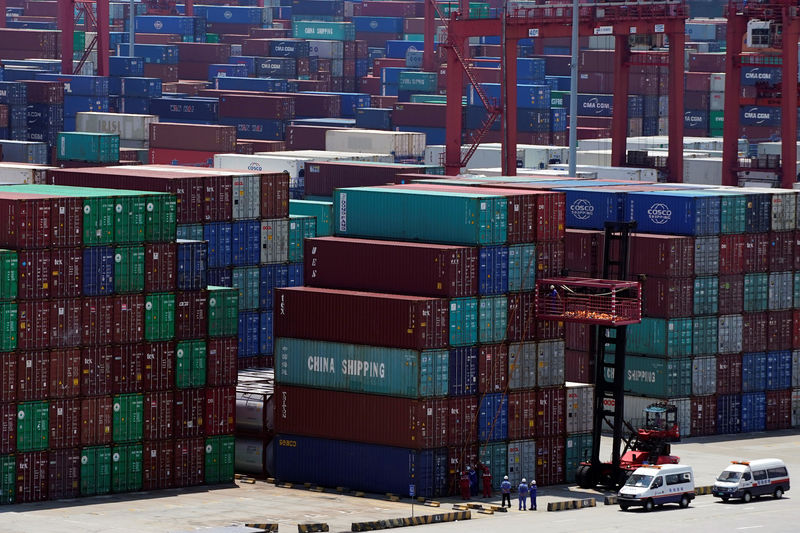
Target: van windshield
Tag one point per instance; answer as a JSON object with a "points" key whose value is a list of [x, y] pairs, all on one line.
{"points": [[729, 476], [639, 480]]}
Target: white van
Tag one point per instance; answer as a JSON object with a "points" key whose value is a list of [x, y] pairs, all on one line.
{"points": [[746, 479], [653, 485]]}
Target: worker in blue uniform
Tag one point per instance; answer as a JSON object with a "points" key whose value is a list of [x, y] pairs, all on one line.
{"points": [[473, 482], [522, 491], [505, 488], [532, 491]]}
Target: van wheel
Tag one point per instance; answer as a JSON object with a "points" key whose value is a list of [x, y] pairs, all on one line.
{"points": [[747, 497], [648, 506], [624, 506], [725, 497], [778, 494], [684, 501]]}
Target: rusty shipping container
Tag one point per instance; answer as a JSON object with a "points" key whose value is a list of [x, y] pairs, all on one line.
{"points": [[128, 318], [732, 254], [357, 317], [394, 267], [65, 424], [67, 273], [704, 416], [189, 411], [159, 366], [221, 364], [157, 464], [96, 364], [190, 459], [212, 138], [65, 373], [158, 416], [127, 368], [522, 415], [550, 412], [33, 382], [96, 419], [97, 320], [668, 297], [32, 480], [160, 266], [660, 255], [191, 314], [462, 420], [492, 368], [220, 410], [25, 220]]}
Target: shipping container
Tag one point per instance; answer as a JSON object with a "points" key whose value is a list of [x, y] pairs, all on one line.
{"points": [[220, 409], [521, 460], [63, 469], [579, 407], [658, 376], [677, 212], [730, 333], [578, 450], [778, 410], [190, 364], [219, 464], [754, 412], [223, 306], [159, 316], [706, 255], [95, 470], [654, 336], [126, 468], [129, 269], [463, 321], [463, 371], [274, 241], [189, 412], [157, 465]]}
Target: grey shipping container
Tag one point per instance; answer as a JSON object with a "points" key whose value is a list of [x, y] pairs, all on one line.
{"points": [[275, 240], [521, 460], [704, 375], [580, 407], [550, 363], [780, 290], [706, 256], [730, 334], [246, 197]]}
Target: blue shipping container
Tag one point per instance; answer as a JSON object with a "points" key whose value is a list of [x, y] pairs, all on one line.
{"points": [[674, 212], [779, 370], [529, 96], [74, 104], [760, 116], [245, 242], [200, 109], [235, 14], [125, 66], [252, 84], [754, 412], [238, 70], [218, 235], [254, 128], [248, 61], [276, 67], [141, 87], [192, 265], [695, 119], [754, 372], [531, 69], [79, 85], [13, 93], [136, 106], [493, 270], [249, 322], [220, 277], [374, 118], [378, 24], [98, 271], [324, 8], [463, 371], [729, 413], [359, 466], [753, 75], [592, 207], [266, 342], [289, 48], [493, 417], [274, 276], [180, 25], [160, 54], [398, 49]]}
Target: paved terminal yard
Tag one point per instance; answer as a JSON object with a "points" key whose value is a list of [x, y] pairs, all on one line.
{"points": [[197, 508]]}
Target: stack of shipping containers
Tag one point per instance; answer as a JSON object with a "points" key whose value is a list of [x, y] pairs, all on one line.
{"points": [[119, 362]]}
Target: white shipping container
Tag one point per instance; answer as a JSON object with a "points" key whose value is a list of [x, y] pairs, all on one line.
{"points": [[275, 240], [521, 461], [617, 173], [703, 170], [718, 82], [701, 31], [580, 407], [593, 157], [326, 49], [522, 365], [294, 166], [401, 144], [635, 406], [17, 173], [127, 126], [716, 101], [550, 363], [704, 375], [324, 155], [730, 334], [784, 208]]}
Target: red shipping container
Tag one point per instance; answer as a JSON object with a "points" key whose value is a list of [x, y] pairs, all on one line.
{"points": [[159, 366], [754, 332], [8, 377], [756, 252], [160, 264], [551, 412], [192, 70], [167, 73], [204, 52], [492, 368], [781, 250], [521, 322], [577, 337], [65, 373], [220, 410], [582, 252], [67, 273], [128, 318], [417, 114], [522, 415], [796, 247], [33, 380], [462, 420], [190, 460], [64, 472], [221, 365], [255, 47], [732, 253], [261, 145], [779, 410], [370, 418], [668, 297], [157, 465], [217, 199], [731, 294], [579, 366], [301, 137], [158, 415], [189, 411], [366, 318], [459, 458], [394, 267], [35, 43], [399, 8], [322, 177], [96, 376], [707, 62], [96, 419], [33, 274], [550, 459], [127, 368], [65, 423], [697, 81], [549, 258], [729, 373], [33, 325], [190, 158], [157, 38], [316, 105], [257, 106], [796, 329], [3, 116], [191, 314], [25, 220], [32, 479], [704, 416], [8, 427], [44, 92], [66, 218], [548, 330], [275, 195], [97, 318], [780, 330], [597, 60], [65, 322]]}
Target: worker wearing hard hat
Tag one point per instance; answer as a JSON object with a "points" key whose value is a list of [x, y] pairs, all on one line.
{"points": [[532, 491], [505, 488], [522, 491]]}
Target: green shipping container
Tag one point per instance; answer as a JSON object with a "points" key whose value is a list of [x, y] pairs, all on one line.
{"points": [[129, 219], [412, 80], [161, 218], [247, 281], [733, 209], [706, 295], [321, 211], [716, 120], [128, 418], [428, 216], [301, 227], [90, 147], [8, 479], [463, 321], [432, 99], [558, 98], [212, 37], [495, 456], [521, 267], [9, 270], [159, 316], [661, 337], [126, 468], [8, 326], [657, 377], [705, 335], [578, 449], [129, 269], [331, 31], [359, 368], [190, 232], [492, 319], [219, 459], [223, 312], [79, 42], [477, 10], [33, 428], [190, 364], [756, 292], [95, 470]]}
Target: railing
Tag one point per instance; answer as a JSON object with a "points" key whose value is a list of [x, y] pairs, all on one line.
{"points": [[598, 11], [590, 301]]}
